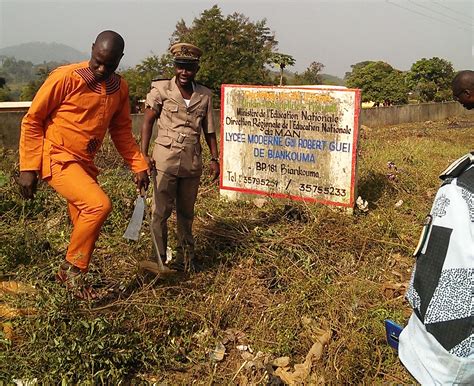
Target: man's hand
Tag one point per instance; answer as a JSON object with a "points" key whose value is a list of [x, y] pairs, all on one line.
{"points": [[151, 163], [28, 182], [215, 170], [142, 180]]}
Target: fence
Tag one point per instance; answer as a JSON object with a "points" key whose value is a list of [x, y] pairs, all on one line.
{"points": [[373, 117]]}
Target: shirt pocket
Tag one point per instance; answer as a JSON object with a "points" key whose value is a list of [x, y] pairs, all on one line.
{"points": [[170, 107], [170, 112], [200, 114]]}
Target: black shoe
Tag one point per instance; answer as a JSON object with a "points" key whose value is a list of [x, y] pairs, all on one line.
{"points": [[191, 267], [183, 266], [177, 265]]}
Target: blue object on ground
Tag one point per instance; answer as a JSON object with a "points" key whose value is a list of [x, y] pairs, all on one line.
{"points": [[393, 331]]}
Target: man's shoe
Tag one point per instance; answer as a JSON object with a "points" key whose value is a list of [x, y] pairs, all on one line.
{"points": [[73, 278], [183, 266], [177, 265]]}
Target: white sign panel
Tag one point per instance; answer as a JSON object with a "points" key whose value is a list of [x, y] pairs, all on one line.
{"points": [[295, 142]]}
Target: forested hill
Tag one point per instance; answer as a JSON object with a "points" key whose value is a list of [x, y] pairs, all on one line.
{"points": [[39, 52], [332, 79]]}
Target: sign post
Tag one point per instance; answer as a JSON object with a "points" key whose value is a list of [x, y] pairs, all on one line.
{"points": [[290, 142]]}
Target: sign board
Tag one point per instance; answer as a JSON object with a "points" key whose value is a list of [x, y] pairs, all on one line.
{"points": [[293, 142]]}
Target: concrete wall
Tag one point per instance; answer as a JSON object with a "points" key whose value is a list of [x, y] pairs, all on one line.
{"points": [[10, 128], [394, 115], [137, 120], [373, 117]]}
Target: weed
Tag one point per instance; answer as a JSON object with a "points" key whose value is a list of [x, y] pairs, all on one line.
{"points": [[263, 269]]}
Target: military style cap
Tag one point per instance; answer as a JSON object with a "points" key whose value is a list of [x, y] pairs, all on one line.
{"points": [[185, 53]]}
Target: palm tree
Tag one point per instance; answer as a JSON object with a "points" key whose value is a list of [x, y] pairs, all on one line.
{"points": [[282, 60]]}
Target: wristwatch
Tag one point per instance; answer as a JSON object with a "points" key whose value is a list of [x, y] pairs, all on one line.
{"points": [[215, 159]]}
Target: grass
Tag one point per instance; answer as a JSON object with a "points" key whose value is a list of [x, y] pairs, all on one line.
{"points": [[265, 270]]}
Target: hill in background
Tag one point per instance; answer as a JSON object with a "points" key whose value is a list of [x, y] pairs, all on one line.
{"points": [[39, 52], [332, 80], [326, 79]]}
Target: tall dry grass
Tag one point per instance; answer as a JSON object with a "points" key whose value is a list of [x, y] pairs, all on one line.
{"points": [[264, 271]]}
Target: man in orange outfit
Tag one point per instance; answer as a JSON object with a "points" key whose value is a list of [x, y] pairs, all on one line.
{"points": [[60, 136]]}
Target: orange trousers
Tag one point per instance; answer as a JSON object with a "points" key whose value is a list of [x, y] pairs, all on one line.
{"points": [[88, 208]]}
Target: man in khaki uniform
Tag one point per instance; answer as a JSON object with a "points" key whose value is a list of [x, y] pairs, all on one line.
{"points": [[182, 110]]}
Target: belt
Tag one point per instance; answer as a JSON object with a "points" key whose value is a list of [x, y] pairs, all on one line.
{"points": [[182, 138]]}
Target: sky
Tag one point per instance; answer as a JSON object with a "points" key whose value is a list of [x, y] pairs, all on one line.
{"points": [[337, 33]]}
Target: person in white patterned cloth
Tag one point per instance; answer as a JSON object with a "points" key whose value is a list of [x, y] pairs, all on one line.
{"points": [[437, 345]]}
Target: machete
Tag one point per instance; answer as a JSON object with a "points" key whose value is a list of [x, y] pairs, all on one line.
{"points": [[133, 230]]}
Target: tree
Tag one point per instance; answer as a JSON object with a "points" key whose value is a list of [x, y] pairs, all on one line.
{"points": [[29, 91], [311, 75], [140, 77], [282, 61], [379, 82], [235, 50], [356, 67], [5, 95], [5, 92], [431, 79], [17, 71]]}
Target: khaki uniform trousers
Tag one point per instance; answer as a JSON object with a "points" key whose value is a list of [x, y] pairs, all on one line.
{"points": [[170, 191]]}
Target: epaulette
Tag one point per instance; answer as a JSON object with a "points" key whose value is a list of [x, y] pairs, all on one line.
{"points": [[457, 167], [200, 84]]}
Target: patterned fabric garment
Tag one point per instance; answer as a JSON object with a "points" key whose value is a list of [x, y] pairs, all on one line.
{"points": [[441, 290], [62, 133], [69, 117]]}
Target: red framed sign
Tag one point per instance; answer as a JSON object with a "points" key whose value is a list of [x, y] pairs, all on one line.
{"points": [[293, 142]]}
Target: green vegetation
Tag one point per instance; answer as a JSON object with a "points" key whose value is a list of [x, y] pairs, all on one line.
{"points": [[140, 77], [22, 78], [379, 82], [238, 51], [264, 268], [431, 79], [312, 75], [235, 50], [282, 61]]}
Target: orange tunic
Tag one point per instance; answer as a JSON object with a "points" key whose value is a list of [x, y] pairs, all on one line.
{"points": [[69, 117]]}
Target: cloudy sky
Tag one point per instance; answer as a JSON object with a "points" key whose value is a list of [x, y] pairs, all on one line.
{"points": [[337, 33]]}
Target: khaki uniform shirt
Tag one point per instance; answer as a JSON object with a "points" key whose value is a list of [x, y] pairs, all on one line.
{"points": [[177, 146]]}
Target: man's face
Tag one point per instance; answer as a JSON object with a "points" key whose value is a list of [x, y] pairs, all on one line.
{"points": [[466, 98], [185, 72], [103, 62]]}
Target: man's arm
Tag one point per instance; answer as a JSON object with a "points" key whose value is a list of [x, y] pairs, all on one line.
{"points": [[149, 118], [212, 144], [210, 137], [153, 106], [120, 130], [48, 98]]}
